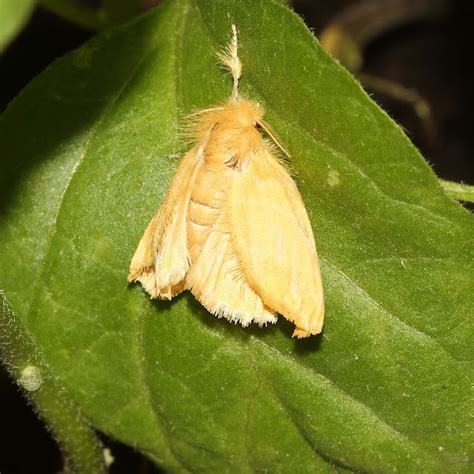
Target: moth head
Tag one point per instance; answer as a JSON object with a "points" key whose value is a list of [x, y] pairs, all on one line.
{"points": [[242, 113]]}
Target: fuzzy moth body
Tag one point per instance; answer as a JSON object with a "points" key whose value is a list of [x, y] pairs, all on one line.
{"points": [[233, 228]]}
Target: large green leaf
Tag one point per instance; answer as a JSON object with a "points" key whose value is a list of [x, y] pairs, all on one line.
{"points": [[89, 148], [13, 15]]}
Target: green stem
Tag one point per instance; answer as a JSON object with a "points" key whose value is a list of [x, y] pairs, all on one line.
{"points": [[87, 17], [82, 451], [459, 191]]}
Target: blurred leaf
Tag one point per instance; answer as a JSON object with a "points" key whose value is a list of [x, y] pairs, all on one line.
{"points": [[79, 13], [13, 15], [118, 12], [88, 150]]}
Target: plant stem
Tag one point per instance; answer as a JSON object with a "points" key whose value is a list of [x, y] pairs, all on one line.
{"points": [[459, 191], [87, 17], [79, 444]]}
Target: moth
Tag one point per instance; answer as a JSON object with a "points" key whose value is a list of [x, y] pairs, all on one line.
{"points": [[233, 228]]}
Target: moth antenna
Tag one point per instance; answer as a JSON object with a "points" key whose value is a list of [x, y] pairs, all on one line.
{"points": [[231, 61], [202, 111], [275, 141]]}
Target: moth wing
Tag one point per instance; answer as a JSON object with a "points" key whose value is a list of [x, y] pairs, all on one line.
{"points": [[274, 242], [161, 260], [216, 281]]}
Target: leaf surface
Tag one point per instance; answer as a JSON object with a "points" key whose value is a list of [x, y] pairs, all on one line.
{"points": [[88, 150]]}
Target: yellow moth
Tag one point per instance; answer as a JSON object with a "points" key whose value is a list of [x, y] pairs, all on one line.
{"points": [[233, 228]]}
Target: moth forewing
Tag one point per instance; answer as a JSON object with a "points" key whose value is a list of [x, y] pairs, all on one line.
{"points": [[161, 260], [274, 242]]}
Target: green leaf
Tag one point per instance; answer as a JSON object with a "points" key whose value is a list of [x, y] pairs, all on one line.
{"points": [[13, 15], [89, 148]]}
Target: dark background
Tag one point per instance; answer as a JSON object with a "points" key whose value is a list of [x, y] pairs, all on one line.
{"points": [[431, 55]]}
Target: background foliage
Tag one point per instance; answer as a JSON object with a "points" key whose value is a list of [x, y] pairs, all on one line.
{"points": [[13, 14], [91, 146]]}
